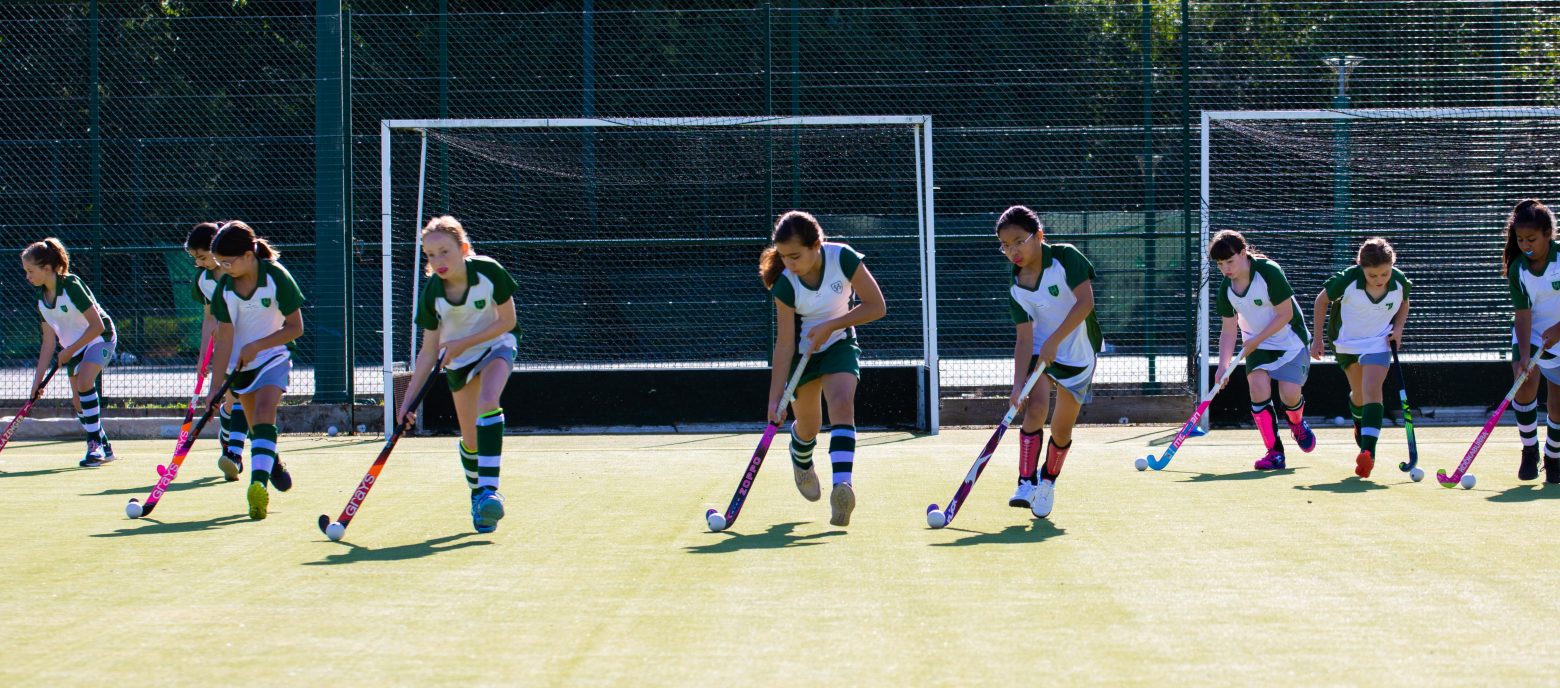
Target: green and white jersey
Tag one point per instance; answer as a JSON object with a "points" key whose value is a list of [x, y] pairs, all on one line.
{"points": [[259, 314], [67, 316], [204, 287], [1539, 293], [829, 299], [1052, 298], [488, 285], [1359, 324], [1256, 309]]}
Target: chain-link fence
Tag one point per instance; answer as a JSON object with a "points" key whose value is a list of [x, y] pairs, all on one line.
{"points": [[127, 122]]}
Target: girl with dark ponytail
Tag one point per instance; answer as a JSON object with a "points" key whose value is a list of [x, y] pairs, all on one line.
{"points": [[256, 305], [812, 282], [1529, 261]]}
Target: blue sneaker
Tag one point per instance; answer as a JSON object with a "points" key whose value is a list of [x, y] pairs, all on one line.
{"points": [[96, 456], [487, 508], [1303, 436], [281, 478]]}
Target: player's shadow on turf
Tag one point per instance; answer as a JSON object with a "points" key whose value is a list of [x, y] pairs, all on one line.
{"points": [[1526, 493], [1038, 530], [1350, 485], [154, 527], [174, 487], [777, 536], [1243, 475], [42, 471], [417, 550]]}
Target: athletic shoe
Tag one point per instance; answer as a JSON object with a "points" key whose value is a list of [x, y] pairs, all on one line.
{"points": [[842, 501], [1363, 463], [1045, 497], [1529, 468], [487, 508], [1271, 461], [1551, 470], [95, 456], [807, 482], [1303, 436], [1024, 497], [259, 499], [280, 477], [231, 465]]}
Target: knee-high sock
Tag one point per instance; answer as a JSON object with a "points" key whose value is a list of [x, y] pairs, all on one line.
{"points": [[1527, 421], [1055, 456], [1267, 424], [1029, 453], [262, 452], [802, 450], [1370, 427], [842, 452], [490, 448]]}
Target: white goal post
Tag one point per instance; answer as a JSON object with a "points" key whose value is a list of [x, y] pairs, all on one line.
{"points": [[902, 228]]}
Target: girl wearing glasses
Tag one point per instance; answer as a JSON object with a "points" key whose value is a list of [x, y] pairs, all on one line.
{"points": [[256, 305], [812, 282], [1051, 301]]}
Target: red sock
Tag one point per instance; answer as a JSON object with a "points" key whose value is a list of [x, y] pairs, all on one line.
{"points": [[1055, 456], [1028, 453]]}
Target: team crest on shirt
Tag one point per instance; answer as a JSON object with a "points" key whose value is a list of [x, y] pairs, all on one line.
{"points": [[479, 304], [64, 308], [1054, 291], [265, 301], [1555, 284], [839, 287], [1258, 302]]}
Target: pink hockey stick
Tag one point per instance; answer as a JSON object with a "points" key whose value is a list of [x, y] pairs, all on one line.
{"points": [[1489, 427]]}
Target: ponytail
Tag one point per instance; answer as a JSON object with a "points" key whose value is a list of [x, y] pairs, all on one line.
{"points": [[49, 253], [236, 238], [794, 225]]}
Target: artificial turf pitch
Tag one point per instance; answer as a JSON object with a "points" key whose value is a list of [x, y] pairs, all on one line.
{"points": [[605, 574]]}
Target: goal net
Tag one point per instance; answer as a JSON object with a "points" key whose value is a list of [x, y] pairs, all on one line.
{"points": [[635, 242]]}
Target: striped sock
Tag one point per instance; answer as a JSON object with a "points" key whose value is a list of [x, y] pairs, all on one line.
{"points": [[224, 419], [262, 452], [1267, 425], [1029, 453], [91, 417], [1527, 421], [490, 447], [1370, 428], [1358, 413], [468, 464], [1552, 442], [802, 451], [842, 451], [1055, 456], [238, 430]]}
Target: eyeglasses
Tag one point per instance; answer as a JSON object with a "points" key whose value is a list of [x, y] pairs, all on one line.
{"points": [[1008, 250]]}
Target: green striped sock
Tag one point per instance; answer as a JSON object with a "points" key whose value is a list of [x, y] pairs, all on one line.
{"points": [[468, 464], [1370, 429], [490, 447], [262, 452]]}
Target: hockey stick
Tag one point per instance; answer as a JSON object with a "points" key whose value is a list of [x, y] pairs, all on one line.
{"points": [[1189, 429], [940, 518], [1489, 427], [717, 521], [16, 422], [1408, 416]]}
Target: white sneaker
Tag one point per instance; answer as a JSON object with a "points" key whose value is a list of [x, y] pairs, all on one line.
{"points": [[1024, 496], [1045, 496]]}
